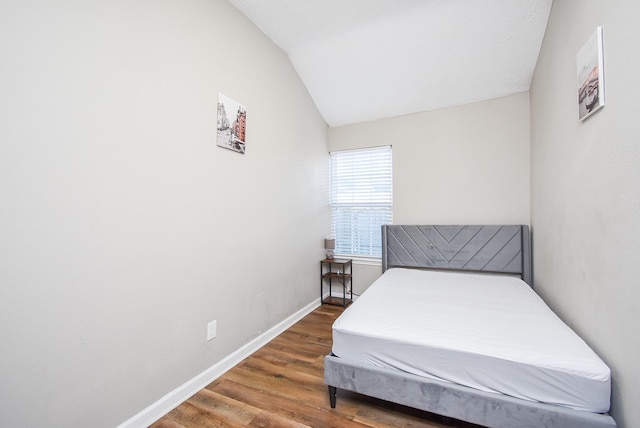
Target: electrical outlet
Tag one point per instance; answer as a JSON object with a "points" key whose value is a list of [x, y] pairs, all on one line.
{"points": [[212, 329]]}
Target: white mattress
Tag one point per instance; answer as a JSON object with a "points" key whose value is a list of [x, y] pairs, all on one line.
{"points": [[488, 332]]}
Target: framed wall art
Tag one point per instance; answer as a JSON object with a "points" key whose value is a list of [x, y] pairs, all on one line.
{"points": [[590, 62], [232, 122]]}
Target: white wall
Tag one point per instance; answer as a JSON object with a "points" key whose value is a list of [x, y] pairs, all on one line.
{"points": [[123, 228], [461, 165], [585, 179]]}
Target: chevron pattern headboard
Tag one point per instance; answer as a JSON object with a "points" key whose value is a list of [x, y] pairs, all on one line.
{"points": [[485, 248]]}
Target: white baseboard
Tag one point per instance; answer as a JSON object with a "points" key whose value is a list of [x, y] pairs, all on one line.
{"points": [[173, 399]]}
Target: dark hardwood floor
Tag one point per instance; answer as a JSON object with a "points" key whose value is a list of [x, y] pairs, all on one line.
{"points": [[281, 385]]}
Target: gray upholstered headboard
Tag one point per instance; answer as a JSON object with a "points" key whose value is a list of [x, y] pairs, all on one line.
{"points": [[485, 248]]}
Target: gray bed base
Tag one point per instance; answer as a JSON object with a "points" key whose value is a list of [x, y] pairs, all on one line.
{"points": [[451, 400], [494, 248]]}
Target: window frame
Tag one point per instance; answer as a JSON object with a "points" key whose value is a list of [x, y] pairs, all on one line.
{"points": [[361, 195]]}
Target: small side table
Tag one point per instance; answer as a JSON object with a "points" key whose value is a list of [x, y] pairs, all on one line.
{"points": [[336, 270]]}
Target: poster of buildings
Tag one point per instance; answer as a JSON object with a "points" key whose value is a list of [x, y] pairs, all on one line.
{"points": [[232, 120], [590, 76]]}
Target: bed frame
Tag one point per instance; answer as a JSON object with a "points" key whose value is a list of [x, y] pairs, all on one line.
{"points": [[483, 248]]}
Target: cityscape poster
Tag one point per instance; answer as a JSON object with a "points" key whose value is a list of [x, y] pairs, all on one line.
{"points": [[232, 121], [590, 76]]}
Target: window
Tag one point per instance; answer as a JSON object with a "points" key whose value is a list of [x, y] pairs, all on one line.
{"points": [[361, 200]]}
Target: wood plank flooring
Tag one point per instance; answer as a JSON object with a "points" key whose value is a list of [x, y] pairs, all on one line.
{"points": [[281, 385]]}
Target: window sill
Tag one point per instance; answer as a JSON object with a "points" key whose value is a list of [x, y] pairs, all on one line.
{"points": [[370, 261]]}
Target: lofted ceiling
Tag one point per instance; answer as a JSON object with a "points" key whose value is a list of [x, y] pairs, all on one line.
{"points": [[364, 60]]}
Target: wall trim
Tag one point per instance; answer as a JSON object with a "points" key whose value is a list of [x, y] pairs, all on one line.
{"points": [[176, 397]]}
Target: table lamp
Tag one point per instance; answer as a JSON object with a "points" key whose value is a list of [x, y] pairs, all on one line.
{"points": [[329, 246]]}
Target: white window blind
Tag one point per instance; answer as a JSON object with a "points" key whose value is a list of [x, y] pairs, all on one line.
{"points": [[361, 200]]}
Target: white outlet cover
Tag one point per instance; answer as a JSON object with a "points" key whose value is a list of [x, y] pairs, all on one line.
{"points": [[211, 329]]}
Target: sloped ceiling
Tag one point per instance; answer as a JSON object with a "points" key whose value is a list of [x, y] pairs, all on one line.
{"points": [[364, 60]]}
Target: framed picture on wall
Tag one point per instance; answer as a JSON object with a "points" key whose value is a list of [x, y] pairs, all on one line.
{"points": [[232, 122], [590, 64]]}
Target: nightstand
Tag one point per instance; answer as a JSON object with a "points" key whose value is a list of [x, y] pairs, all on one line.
{"points": [[336, 271]]}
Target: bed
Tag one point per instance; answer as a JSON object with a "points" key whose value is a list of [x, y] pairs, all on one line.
{"points": [[453, 327]]}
